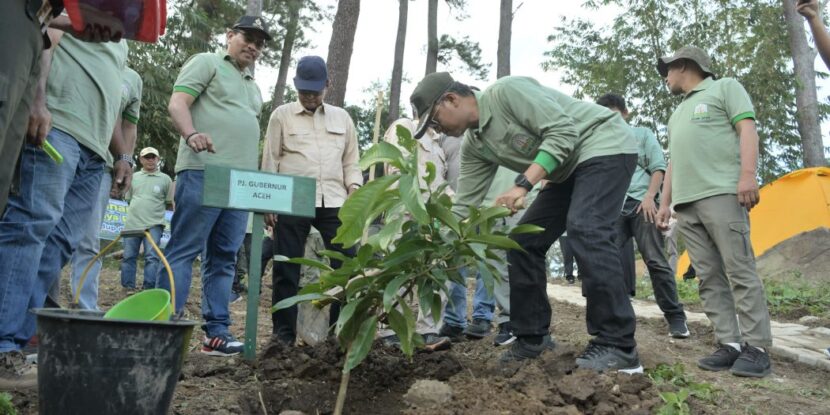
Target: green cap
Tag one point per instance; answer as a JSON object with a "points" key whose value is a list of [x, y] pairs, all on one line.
{"points": [[692, 53], [426, 95]]}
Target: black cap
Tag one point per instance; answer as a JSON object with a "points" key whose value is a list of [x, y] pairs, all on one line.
{"points": [[311, 74], [254, 24], [426, 95]]}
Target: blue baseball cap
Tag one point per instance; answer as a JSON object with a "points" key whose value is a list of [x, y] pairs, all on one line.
{"points": [[311, 74]]}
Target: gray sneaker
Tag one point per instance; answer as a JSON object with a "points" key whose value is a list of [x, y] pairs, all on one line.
{"points": [[678, 328], [601, 358], [479, 329], [521, 350], [16, 373], [753, 362], [721, 359]]}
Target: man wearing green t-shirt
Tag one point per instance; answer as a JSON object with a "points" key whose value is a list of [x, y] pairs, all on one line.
{"points": [[215, 107], [80, 92], [588, 154], [711, 183], [150, 196], [636, 222]]}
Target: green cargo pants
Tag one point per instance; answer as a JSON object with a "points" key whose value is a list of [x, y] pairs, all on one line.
{"points": [[716, 231], [21, 43]]}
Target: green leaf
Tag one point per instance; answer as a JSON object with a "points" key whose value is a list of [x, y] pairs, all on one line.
{"points": [[354, 214], [430, 177], [382, 152], [362, 344], [388, 232], [397, 322], [413, 199], [304, 261], [497, 241], [314, 287], [390, 293], [333, 255], [443, 214], [292, 301], [436, 307], [489, 213], [364, 254], [406, 140], [526, 228], [406, 251], [486, 277]]}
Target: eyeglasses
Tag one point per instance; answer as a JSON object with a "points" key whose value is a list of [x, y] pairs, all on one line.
{"points": [[252, 39]]}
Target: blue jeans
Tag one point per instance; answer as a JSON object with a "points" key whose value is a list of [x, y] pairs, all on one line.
{"points": [[455, 313], [194, 228], [88, 247], [40, 228], [151, 259]]}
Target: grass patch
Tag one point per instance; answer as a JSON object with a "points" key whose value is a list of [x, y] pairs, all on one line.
{"points": [[687, 291], [677, 387], [6, 406]]}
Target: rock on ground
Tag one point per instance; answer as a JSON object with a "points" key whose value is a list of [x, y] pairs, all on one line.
{"points": [[425, 393]]}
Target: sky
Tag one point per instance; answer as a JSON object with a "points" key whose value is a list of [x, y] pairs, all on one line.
{"points": [[374, 43]]}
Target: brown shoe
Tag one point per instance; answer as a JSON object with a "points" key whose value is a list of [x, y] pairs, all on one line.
{"points": [[16, 373]]}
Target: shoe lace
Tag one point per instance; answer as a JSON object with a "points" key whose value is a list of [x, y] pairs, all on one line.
{"points": [[723, 350], [593, 350], [750, 353]]}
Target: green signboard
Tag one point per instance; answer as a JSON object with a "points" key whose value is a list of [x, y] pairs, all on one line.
{"points": [[257, 191]]}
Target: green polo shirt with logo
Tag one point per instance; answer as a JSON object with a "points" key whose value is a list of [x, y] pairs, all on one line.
{"points": [[149, 196], [83, 90], [703, 143], [227, 107], [518, 118], [650, 160]]}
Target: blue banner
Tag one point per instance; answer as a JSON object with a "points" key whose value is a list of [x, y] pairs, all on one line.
{"points": [[115, 217]]}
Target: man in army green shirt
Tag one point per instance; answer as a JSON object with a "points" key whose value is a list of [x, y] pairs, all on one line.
{"points": [[149, 197], [637, 222], [711, 183], [215, 107], [588, 153]]}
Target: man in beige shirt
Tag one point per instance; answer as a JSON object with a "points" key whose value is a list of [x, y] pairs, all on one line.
{"points": [[312, 139]]}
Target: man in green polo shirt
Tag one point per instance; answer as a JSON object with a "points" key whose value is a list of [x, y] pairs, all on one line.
{"points": [[588, 153], [711, 183], [637, 222], [215, 107], [150, 196]]}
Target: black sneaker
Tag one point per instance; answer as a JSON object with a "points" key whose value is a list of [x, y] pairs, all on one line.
{"points": [[522, 350], [571, 279], [678, 328], [224, 345], [16, 373], [721, 359], [480, 328], [454, 333], [601, 357], [505, 335], [434, 342], [753, 362]]}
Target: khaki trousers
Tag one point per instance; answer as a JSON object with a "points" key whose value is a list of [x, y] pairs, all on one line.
{"points": [[716, 231]]}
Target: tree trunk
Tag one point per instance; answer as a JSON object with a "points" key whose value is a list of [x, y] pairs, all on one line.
{"points": [[340, 49], [254, 8], [505, 34], [806, 99], [287, 47], [432, 37], [397, 67]]}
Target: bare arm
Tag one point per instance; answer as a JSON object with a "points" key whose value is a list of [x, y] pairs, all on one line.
{"points": [[811, 11], [129, 132], [179, 108], [748, 194], [122, 171]]}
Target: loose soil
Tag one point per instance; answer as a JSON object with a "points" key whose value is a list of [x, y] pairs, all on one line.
{"points": [[307, 378]]}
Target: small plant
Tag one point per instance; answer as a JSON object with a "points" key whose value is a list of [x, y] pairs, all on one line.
{"points": [[796, 297], [422, 246], [676, 401], [687, 291], [6, 406]]}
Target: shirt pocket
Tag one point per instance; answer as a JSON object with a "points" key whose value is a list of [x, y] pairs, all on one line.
{"points": [[336, 137], [296, 140]]}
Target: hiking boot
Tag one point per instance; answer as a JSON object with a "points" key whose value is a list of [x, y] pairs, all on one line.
{"points": [[454, 333], [434, 342], [505, 335], [571, 279], [16, 373], [522, 350], [479, 329], [600, 357], [223, 345], [721, 359], [678, 328], [753, 362]]}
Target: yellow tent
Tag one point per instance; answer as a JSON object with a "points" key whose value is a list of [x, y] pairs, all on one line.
{"points": [[796, 203]]}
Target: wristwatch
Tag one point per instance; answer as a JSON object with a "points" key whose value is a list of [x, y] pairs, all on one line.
{"points": [[522, 181], [126, 157]]}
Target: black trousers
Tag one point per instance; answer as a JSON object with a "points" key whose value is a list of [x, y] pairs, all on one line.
{"points": [[629, 267], [244, 255], [567, 256], [587, 204], [291, 233]]}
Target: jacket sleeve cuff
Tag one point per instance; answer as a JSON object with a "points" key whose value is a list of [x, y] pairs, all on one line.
{"points": [[544, 159]]}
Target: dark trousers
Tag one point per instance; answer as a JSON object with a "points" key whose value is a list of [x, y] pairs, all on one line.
{"points": [[291, 233], [567, 255], [629, 267], [243, 257], [633, 226], [587, 204]]}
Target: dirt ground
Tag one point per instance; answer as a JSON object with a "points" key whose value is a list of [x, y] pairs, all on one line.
{"points": [[306, 379]]}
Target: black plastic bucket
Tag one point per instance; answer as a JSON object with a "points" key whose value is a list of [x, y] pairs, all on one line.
{"points": [[89, 365]]}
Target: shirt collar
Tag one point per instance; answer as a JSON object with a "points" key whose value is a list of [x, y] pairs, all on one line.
{"points": [[702, 86], [151, 173], [298, 108], [484, 113], [245, 72]]}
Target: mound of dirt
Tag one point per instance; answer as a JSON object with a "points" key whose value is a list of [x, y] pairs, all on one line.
{"points": [[806, 254]]}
